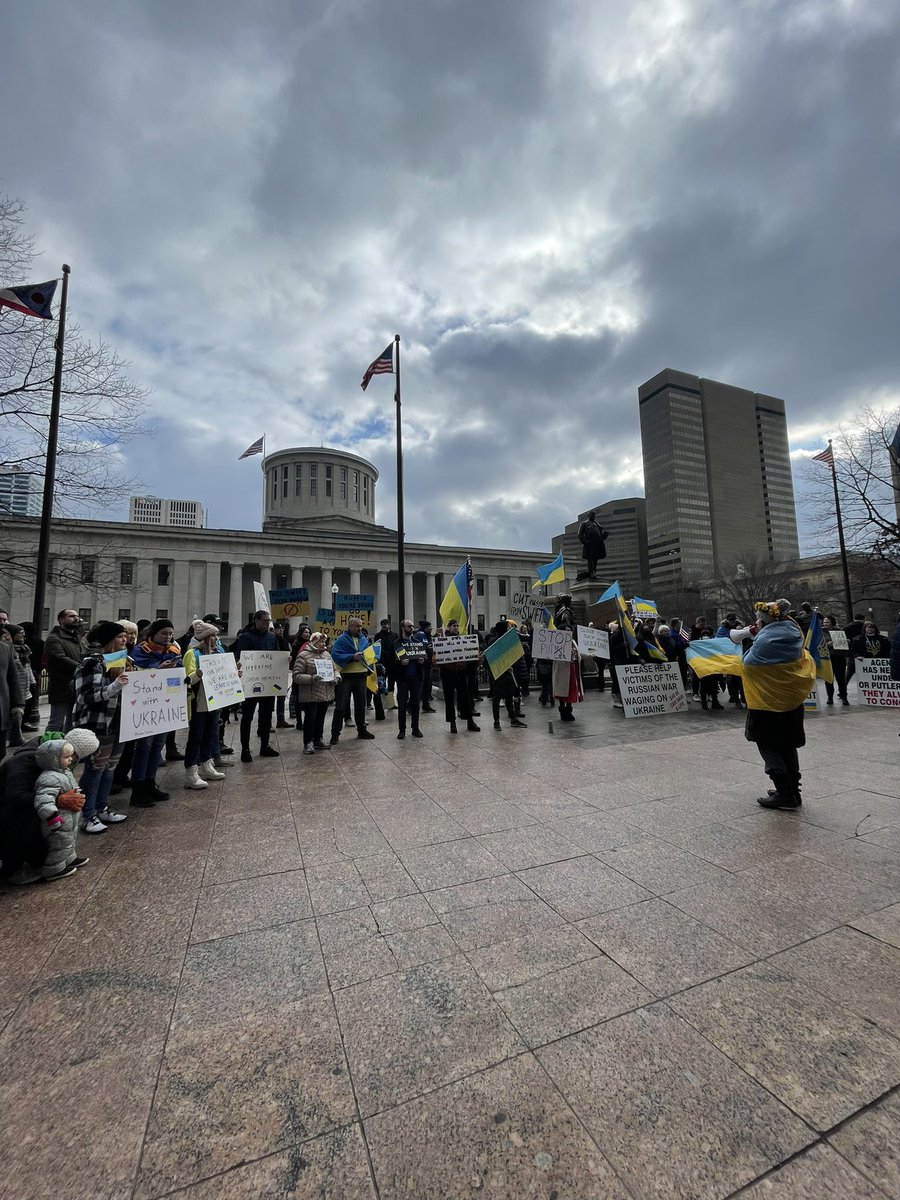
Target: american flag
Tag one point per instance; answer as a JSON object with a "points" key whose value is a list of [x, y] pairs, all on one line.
{"points": [[256, 448], [826, 457], [383, 365]]}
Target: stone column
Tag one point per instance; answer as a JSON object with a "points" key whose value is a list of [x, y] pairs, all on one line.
{"points": [[408, 601], [327, 599], [381, 597], [265, 578], [236, 599], [431, 597], [179, 587], [355, 585], [213, 595], [296, 577]]}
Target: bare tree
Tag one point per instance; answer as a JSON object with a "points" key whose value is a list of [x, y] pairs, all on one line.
{"points": [[740, 582], [100, 405], [868, 486]]}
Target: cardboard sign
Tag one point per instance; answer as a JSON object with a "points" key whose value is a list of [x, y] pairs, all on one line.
{"points": [[593, 641], [463, 648], [265, 673], [811, 703], [285, 603], [220, 684], [651, 689], [354, 602], [555, 644], [325, 669], [152, 702], [333, 622], [839, 639], [526, 606], [874, 683]]}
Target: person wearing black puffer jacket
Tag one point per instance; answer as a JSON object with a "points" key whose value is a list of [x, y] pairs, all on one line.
{"points": [[256, 636]]}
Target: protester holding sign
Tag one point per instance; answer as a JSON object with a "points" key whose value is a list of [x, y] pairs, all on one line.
{"points": [[157, 650], [315, 676], [411, 649], [454, 684], [97, 690], [203, 731], [838, 648], [567, 686], [347, 652], [256, 636]]}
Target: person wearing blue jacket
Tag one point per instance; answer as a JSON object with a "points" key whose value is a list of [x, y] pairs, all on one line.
{"points": [[258, 635], [347, 652]]}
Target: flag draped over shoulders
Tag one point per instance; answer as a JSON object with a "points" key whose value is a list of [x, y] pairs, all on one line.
{"points": [[778, 672]]}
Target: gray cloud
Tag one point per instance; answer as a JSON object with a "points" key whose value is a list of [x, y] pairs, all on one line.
{"points": [[548, 203]]}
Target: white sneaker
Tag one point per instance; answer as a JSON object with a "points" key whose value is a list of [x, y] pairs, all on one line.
{"points": [[192, 779], [109, 817], [208, 771], [93, 826]]}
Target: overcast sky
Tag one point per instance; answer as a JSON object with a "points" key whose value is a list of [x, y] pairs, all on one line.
{"points": [[549, 200]]}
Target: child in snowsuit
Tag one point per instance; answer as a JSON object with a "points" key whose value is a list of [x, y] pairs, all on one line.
{"points": [[58, 800]]}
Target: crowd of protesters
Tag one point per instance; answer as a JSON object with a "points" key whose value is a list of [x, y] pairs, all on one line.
{"points": [[356, 675]]}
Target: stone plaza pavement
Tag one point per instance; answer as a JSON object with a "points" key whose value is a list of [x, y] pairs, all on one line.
{"points": [[498, 965]]}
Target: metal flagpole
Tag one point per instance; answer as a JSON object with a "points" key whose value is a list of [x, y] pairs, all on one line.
{"points": [[848, 597], [43, 559], [401, 563]]}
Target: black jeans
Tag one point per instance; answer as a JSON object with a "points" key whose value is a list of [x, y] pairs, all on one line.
{"points": [[314, 721], [456, 691], [839, 668], [248, 708], [782, 764], [409, 699], [352, 685]]}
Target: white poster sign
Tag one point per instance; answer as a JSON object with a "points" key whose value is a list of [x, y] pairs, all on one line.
{"points": [[651, 689], [220, 684], [555, 644], [839, 639], [152, 702], [260, 597], [526, 606], [265, 673], [456, 649], [874, 683], [325, 669], [593, 641]]}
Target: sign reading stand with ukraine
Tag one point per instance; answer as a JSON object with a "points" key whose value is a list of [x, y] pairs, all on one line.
{"points": [[153, 702]]}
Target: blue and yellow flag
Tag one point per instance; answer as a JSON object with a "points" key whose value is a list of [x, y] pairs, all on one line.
{"points": [[714, 656], [501, 655], [816, 643], [625, 622], [613, 592], [644, 608], [116, 658], [457, 604], [551, 572]]}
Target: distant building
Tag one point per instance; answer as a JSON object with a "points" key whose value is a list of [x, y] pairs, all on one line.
{"points": [[149, 510], [21, 492], [717, 476], [626, 546]]}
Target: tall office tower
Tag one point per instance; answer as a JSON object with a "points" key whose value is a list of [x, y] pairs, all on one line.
{"points": [[21, 492], [717, 476]]}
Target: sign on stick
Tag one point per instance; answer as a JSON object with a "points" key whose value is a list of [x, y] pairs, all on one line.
{"points": [[152, 702], [354, 602], [289, 602], [526, 606], [651, 689]]}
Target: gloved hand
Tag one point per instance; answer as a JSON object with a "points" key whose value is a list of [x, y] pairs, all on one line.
{"points": [[54, 822]]}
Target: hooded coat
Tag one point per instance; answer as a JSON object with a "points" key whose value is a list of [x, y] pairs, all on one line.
{"points": [[59, 825]]}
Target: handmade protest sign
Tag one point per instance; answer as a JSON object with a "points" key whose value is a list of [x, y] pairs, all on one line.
{"points": [[285, 603], [354, 602], [651, 689], [220, 684], [526, 607], [456, 649], [593, 641], [501, 655], [325, 669], [152, 702], [260, 598], [874, 683], [265, 673], [555, 644], [839, 640]]}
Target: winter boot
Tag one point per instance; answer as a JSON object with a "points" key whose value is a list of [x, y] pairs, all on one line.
{"points": [[208, 771], [192, 779], [783, 796], [139, 797]]}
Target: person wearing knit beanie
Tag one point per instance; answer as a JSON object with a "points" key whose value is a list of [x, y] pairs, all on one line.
{"points": [[203, 629], [84, 742], [103, 632]]}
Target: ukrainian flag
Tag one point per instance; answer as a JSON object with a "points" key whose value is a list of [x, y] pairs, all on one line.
{"points": [[625, 620], [501, 655], [552, 572], [778, 673], [714, 656], [816, 644], [613, 592], [457, 603], [644, 608]]}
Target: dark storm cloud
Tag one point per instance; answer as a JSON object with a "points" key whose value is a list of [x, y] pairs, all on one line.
{"points": [[549, 203]]}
